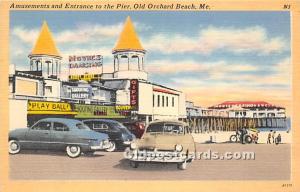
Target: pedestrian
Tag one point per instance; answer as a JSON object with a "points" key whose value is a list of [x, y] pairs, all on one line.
{"points": [[269, 137], [243, 134], [273, 136], [278, 139]]}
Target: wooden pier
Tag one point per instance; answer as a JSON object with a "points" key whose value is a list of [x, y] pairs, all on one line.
{"points": [[210, 124]]}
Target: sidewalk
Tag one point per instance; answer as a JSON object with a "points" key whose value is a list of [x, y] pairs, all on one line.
{"points": [[222, 137]]}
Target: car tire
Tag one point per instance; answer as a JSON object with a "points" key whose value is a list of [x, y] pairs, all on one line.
{"points": [[233, 138], [73, 151], [182, 166], [112, 147], [134, 164], [14, 147]]}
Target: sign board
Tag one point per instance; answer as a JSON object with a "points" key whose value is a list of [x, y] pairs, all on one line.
{"points": [[44, 108], [97, 111], [89, 64], [81, 92], [134, 88]]}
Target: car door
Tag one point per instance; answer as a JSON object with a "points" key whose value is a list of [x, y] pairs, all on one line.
{"points": [[59, 135], [38, 136]]}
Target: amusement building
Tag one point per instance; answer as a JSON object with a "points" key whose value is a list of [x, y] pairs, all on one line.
{"points": [[126, 94]]}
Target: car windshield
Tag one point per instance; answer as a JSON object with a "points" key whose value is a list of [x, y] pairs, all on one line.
{"points": [[82, 126], [118, 125], [165, 128]]}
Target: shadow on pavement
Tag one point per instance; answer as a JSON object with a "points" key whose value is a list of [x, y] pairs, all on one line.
{"points": [[56, 153], [124, 164]]}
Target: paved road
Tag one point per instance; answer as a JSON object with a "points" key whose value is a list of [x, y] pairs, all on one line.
{"points": [[271, 163]]}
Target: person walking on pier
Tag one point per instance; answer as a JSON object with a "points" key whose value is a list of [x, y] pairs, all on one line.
{"points": [[269, 137], [243, 134], [273, 136], [278, 139]]}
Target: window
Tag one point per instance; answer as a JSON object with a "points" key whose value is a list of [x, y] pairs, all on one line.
{"points": [[48, 88], [42, 126], [158, 100], [82, 126], [173, 103], [153, 100], [60, 127], [163, 101], [100, 125], [165, 128], [167, 102]]}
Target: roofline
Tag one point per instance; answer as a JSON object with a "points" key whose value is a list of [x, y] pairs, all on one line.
{"points": [[128, 49], [144, 81], [33, 55]]}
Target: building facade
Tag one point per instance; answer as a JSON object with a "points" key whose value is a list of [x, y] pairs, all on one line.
{"points": [[125, 93], [248, 109]]}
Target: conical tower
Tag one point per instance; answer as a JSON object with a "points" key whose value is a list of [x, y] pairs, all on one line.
{"points": [[45, 57], [129, 54]]}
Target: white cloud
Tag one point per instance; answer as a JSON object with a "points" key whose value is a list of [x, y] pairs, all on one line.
{"points": [[83, 33], [236, 40], [220, 74], [25, 35], [211, 68], [86, 33]]}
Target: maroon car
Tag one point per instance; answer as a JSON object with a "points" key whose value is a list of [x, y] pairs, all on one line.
{"points": [[136, 127]]}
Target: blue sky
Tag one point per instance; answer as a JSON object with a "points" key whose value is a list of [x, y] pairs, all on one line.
{"points": [[211, 56]]}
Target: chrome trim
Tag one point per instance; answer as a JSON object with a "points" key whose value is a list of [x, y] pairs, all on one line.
{"points": [[51, 142]]}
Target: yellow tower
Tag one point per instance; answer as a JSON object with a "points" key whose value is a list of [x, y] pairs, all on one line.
{"points": [[129, 54], [44, 57]]}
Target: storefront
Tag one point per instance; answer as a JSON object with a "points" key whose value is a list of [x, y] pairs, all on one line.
{"points": [[37, 110]]}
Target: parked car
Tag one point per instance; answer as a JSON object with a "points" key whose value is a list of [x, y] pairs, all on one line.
{"points": [[119, 136], [136, 127], [163, 141], [58, 134]]}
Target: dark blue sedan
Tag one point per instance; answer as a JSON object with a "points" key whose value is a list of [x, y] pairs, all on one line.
{"points": [[58, 134], [119, 136]]}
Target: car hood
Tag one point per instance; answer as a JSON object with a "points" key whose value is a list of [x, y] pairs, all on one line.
{"points": [[89, 134], [165, 142], [18, 132]]}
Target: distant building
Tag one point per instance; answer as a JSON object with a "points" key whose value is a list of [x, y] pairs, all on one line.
{"points": [[192, 110], [248, 109]]}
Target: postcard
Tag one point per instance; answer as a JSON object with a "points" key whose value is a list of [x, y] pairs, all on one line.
{"points": [[151, 96]]}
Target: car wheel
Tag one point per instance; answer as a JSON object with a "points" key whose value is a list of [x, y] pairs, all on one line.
{"points": [[112, 146], [182, 166], [134, 164], [73, 151], [233, 138], [14, 147]]}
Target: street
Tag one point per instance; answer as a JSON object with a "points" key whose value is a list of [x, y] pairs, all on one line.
{"points": [[272, 162]]}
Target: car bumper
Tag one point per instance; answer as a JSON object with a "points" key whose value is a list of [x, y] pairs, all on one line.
{"points": [[103, 145], [156, 156], [127, 142]]}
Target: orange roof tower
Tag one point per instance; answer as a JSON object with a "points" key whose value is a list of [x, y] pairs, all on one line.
{"points": [[45, 44], [128, 40]]}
